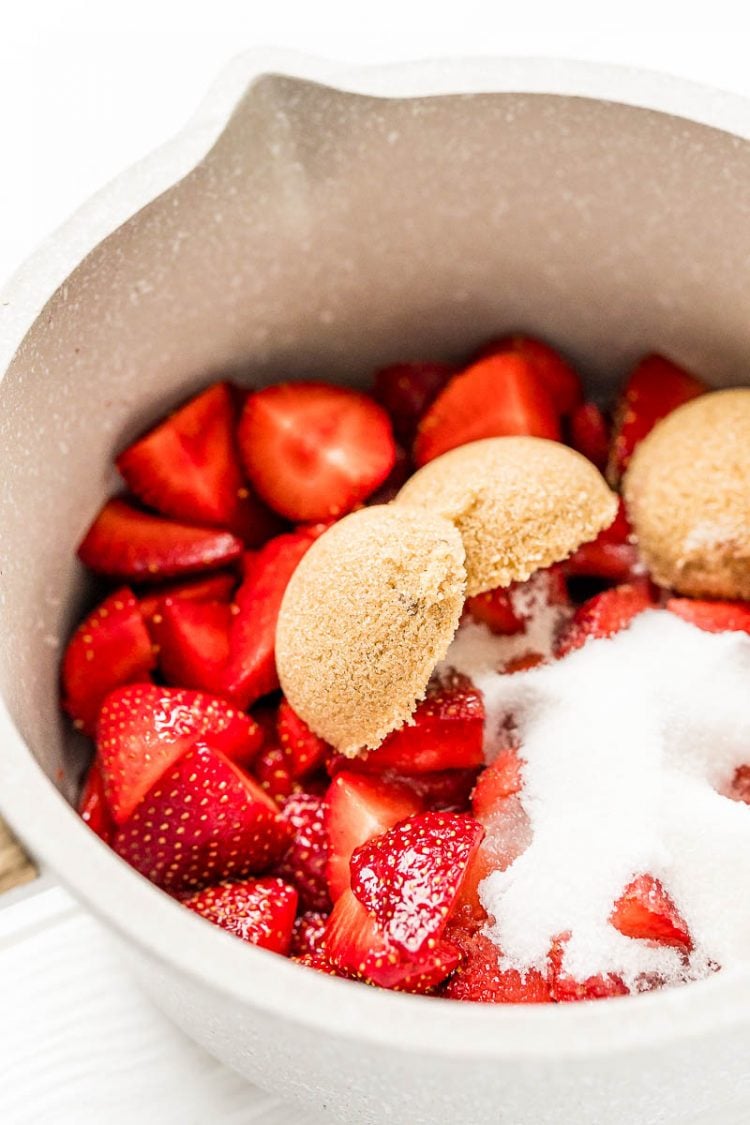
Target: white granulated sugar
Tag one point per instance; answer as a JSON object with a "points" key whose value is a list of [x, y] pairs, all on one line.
{"points": [[625, 743]]}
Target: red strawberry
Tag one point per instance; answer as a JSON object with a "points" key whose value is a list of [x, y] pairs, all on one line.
{"points": [[406, 390], [110, 647], [409, 878], [509, 610], [318, 962], [251, 669], [713, 616], [523, 662], [589, 433], [193, 642], [202, 822], [396, 479], [211, 588], [307, 935], [446, 733], [494, 608], [305, 751], [92, 804], [645, 910], [555, 373], [272, 768], [124, 542], [261, 911], [495, 397], [740, 787], [656, 388], [565, 988], [479, 977], [605, 614], [358, 808], [612, 555], [305, 862], [188, 468], [442, 791], [314, 451], [502, 779], [144, 729]]}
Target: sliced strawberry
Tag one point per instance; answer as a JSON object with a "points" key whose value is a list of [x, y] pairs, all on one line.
{"points": [[314, 451], [615, 562], [494, 608], [589, 433], [109, 648], [202, 822], [251, 669], [446, 733], [358, 808], [509, 611], [565, 988], [307, 935], [212, 588], [92, 804], [409, 878], [442, 791], [272, 768], [124, 542], [306, 752], [523, 662], [645, 910], [306, 861], [144, 729], [604, 615], [319, 962], [405, 390], [260, 911], [396, 479], [479, 977], [713, 616], [656, 388], [496, 397], [193, 642], [502, 779], [555, 373]]}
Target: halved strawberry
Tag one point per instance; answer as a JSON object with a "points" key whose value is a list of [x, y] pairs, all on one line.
{"points": [[305, 862], [480, 979], [405, 390], [188, 468], [644, 910], [260, 911], [409, 878], [109, 648], [202, 822], [612, 555], [446, 733], [307, 935], [143, 730], [565, 988], [604, 615], [555, 373], [496, 397], [211, 588], [193, 642], [251, 668], [589, 433], [358, 808], [92, 804], [306, 752], [713, 616], [656, 387], [272, 768], [314, 451], [124, 542]]}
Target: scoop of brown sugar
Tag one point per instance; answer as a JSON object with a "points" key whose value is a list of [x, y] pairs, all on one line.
{"points": [[519, 503], [688, 496]]}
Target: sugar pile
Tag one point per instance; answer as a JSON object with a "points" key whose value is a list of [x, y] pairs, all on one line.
{"points": [[627, 744]]}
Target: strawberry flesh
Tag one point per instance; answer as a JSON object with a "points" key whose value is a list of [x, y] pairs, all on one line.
{"points": [[259, 911], [479, 977], [644, 910], [589, 433], [92, 804], [713, 616], [565, 988], [307, 934], [405, 390], [272, 768], [555, 373], [192, 638], [604, 615], [306, 860], [305, 751], [211, 588]]}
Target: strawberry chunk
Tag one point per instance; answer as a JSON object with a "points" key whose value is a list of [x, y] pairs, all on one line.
{"points": [[441, 791], [409, 878], [188, 468], [604, 615], [644, 910], [109, 648], [496, 397], [564, 988], [305, 862], [314, 451], [305, 751], [307, 934], [211, 588], [589, 433], [611, 556], [144, 729], [259, 911], [193, 642], [203, 821], [494, 608], [272, 768], [559, 379], [713, 616], [358, 808], [479, 977], [251, 668], [509, 610], [124, 542], [502, 779], [405, 390], [92, 804], [656, 388]]}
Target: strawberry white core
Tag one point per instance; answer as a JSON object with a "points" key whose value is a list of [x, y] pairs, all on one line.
{"points": [[628, 744]]}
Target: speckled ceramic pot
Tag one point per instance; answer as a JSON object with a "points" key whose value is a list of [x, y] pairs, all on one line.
{"points": [[316, 221]]}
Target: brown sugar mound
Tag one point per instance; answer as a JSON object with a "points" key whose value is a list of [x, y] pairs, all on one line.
{"points": [[688, 496], [369, 612], [519, 503]]}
